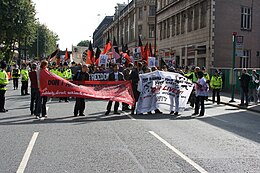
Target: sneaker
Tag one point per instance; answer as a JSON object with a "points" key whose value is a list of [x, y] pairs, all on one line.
{"points": [[3, 110], [107, 112], [195, 114], [172, 112], [200, 115], [37, 117], [82, 115]]}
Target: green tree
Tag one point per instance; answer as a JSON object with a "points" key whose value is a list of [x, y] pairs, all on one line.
{"points": [[17, 24], [83, 43]]}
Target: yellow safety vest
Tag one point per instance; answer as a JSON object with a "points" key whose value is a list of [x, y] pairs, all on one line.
{"points": [[25, 74], [3, 80]]}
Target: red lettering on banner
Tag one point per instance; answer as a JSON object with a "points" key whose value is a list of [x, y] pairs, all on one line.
{"points": [[54, 86]]}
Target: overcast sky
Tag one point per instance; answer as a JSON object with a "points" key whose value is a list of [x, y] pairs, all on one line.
{"points": [[74, 20]]}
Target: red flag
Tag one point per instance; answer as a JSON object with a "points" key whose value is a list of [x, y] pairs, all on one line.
{"points": [[145, 53], [91, 58], [52, 85], [108, 46], [66, 55], [54, 54]]}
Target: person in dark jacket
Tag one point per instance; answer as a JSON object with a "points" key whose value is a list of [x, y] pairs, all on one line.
{"points": [[244, 85], [114, 76], [134, 78], [81, 75], [35, 92]]}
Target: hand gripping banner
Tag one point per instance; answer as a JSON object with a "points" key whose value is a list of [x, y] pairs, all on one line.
{"points": [[52, 85]]}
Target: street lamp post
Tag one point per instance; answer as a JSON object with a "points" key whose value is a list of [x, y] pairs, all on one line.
{"points": [[234, 35]]}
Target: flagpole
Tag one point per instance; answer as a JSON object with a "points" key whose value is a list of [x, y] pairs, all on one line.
{"points": [[155, 28]]}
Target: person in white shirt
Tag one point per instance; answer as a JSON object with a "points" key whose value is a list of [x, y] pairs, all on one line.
{"points": [[201, 91]]}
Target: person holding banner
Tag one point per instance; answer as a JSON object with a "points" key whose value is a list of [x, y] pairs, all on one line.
{"points": [[82, 75], [114, 76], [41, 105], [201, 91]]}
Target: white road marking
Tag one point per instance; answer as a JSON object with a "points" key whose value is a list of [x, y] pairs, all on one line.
{"points": [[132, 118], [27, 153], [220, 119], [191, 162]]}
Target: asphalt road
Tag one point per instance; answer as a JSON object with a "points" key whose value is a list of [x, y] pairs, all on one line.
{"points": [[225, 140]]}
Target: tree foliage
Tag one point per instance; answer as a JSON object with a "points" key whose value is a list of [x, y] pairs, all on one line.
{"points": [[18, 29], [83, 43]]}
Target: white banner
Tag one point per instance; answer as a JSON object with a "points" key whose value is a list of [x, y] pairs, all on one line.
{"points": [[78, 55], [163, 91]]}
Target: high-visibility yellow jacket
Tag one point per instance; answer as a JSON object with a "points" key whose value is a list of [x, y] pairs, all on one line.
{"points": [[216, 82], [192, 76], [25, 74], [206, 76], [68, 74], [3, 80]]}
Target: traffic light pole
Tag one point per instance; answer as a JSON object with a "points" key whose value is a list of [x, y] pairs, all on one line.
{"points": [[233, 66]]}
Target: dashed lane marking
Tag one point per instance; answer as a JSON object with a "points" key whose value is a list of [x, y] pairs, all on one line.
{"points": [[27, 153], [220, 119], [191, 162]]}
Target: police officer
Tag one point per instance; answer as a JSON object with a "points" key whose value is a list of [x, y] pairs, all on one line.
{"points": [[216, 85], [67, 71], [25, 78], [3, 82], [15, 74]]}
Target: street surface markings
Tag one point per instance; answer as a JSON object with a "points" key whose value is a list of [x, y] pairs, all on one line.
{"points": [[191, 162], [132, 118], [27, 153], [220, 119]]}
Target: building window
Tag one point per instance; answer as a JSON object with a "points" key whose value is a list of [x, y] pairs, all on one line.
{"points": [[246, 18], [173, 26], [152, 10], [203, 14], [183, 22], [168, 28], [178, 24], [190, 19], [140, 29], [201, 62], [244, 61], [140, 14], [196, 17], [160, 27], [151, 30], [164, 29]]}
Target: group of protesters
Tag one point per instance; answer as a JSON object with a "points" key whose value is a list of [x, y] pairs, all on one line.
{"points": [[117, 72]]}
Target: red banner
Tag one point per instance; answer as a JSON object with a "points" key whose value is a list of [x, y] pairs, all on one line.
{"points": [[52, 85]]}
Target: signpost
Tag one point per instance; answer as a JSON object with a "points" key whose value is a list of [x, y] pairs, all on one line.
{"points": [[234, 34]]}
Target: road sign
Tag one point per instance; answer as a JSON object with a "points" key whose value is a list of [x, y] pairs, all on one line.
{"points": [[240, 46]]}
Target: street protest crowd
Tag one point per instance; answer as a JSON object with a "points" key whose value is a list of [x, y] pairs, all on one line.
{"points": [[199, 77]]}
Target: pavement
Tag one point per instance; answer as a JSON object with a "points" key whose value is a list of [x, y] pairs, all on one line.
{"points": [[225, 98]]}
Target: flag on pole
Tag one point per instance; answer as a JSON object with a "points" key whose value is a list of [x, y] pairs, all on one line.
{"points": [[115, 50], [91, 58], [66, 55], [53, 56], [141, 47], [107, 46], [98, 52]]}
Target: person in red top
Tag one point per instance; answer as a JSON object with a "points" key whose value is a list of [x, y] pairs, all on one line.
{"points": [[35, 93]]}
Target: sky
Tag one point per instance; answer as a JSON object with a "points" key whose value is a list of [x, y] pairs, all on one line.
{"points": [[74, 20]]}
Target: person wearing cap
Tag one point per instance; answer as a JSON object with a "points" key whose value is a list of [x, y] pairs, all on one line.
{"points": [[216, 86], [3, 82], [24, 79], [35, 92], [15, 75]]}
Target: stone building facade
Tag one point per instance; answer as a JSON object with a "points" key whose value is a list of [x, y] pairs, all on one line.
{"points": [[136, 19], [199, 32]]}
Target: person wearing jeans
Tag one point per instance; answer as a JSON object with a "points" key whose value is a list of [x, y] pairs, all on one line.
{"points": [[244, 84], [216, 85]]}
